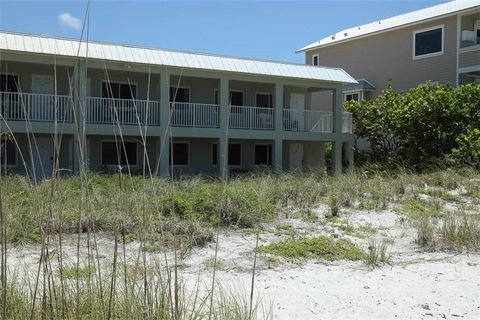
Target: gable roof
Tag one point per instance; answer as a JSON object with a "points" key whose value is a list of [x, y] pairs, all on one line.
{"points": [[435, 12], [161, 57]]}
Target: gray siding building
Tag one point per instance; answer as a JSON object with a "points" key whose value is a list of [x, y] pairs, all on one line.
{"points": [[97, 106], [440, 44]]}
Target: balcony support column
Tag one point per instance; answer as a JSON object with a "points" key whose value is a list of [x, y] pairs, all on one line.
{"points": [[278, 127], [164, 141], [79, 108], [337, 111], [337, 157], [349, 154], [321, 160], [224, 101], [278, 156]]}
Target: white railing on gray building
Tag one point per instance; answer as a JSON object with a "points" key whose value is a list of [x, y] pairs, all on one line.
{"points": [[307, 120], [254, 118], [122, 111], [196, 115], [36, 107], [347, 126]]}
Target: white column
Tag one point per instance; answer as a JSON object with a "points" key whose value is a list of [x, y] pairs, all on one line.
{"points": [[278, 121], [278, 156], [337, 157], [79, 109], [164, 141], [337, 110], [224, 101], [349, 154]]}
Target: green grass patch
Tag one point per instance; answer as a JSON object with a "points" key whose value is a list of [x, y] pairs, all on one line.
{"points": [[319, 247]]}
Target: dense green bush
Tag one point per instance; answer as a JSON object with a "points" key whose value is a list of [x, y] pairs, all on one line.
{"points": [[422, 126]]}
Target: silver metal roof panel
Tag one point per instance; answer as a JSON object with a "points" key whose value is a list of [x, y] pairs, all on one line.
{"points": [[129, 54]]}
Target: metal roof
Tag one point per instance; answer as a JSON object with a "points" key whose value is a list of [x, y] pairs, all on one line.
{"points": [[418, 16], [362, 85], [130, 54]]}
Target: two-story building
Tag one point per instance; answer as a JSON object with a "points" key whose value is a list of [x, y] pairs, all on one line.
{"points": [[440, 44], [96, 106]]}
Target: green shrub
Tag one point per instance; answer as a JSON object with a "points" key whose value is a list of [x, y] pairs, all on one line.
{"points": [[424, 126], [319, 247]]}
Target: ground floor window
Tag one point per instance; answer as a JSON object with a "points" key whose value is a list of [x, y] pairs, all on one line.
{"points": [[234, 154], [118, 153], [263, 154], [179, 153], [8, 153], [214, 154]]}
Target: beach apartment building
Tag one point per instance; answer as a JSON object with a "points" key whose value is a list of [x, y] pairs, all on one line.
{"points": [[98, 106]]}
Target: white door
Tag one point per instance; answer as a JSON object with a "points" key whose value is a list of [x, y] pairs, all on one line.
{"points": [[42, 158], [296, 157], [297, 102], [42, 108]]}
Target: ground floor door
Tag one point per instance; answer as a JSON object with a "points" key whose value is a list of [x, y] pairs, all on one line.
{"points": [[42, 158], [296, 157]]}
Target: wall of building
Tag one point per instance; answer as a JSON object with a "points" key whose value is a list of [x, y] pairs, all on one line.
{"points": [[97, 76], [94, 152], [389, 56], [25, 71], [26, 146]]}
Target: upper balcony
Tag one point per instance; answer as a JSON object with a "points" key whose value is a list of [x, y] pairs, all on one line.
{"points": [[33, 107], [50, 108], [122, 111]]}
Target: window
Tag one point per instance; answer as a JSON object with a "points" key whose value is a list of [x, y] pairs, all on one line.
{"points": [[234, 154], [428, 42], [236, 98], [264, 100], [8, 153], [352, 96], [117, 90], [263, 154], [179, 94], [315, 60], [126, 152], [180, 154], [214, 154], [8, 83]]}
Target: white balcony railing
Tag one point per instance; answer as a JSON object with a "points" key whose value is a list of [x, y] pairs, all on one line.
{"points": [[253, 118], [122, 111], [36, 107], [347, 125], [307, 120], [197, 115]]}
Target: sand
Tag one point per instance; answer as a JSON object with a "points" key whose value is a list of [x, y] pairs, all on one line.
{"points": [[416, 285]]}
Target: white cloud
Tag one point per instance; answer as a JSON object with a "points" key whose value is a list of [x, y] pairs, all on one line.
{"points": [[67, 20]]}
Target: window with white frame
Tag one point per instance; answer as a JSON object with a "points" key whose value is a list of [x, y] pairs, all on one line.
{"points": [[234, 154], [119, 90], [354, 96], [264, 100], [118, 153], [263, 154], [180, 94], [315, 60], [428, 42], [8, 156], [179, 153]]}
